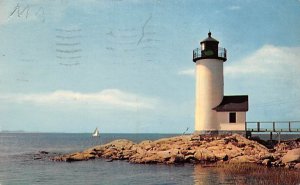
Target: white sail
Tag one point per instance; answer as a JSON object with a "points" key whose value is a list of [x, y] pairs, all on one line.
{"points": [[96, 133]]}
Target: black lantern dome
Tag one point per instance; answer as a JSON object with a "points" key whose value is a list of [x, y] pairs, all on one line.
{"points": [[209, 49]]}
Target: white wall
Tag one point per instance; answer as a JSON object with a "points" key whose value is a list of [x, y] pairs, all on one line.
{"points": [[209, 93], [223, 119]]}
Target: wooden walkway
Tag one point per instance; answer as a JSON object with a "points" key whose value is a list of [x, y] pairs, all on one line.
{"points": [[272, 126]]}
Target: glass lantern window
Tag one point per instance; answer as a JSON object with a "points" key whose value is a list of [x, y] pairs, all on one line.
{"points": [[202, 46]]}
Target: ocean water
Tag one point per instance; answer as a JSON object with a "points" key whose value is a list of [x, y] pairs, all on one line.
{"points": [[19, 163]]}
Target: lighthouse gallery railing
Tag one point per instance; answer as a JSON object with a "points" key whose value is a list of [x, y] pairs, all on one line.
{"points": [[197, 53]]}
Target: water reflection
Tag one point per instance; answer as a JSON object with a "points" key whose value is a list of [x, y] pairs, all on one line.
{"points": [[206, 175]]}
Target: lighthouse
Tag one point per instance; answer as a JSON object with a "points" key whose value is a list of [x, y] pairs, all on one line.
{"points": [[214, 112]]}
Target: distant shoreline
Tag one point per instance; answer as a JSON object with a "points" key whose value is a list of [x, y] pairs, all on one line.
{"points": [[21, 132]]}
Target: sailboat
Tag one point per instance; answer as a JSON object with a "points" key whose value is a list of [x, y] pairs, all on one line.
{"points": [[96, 133]]}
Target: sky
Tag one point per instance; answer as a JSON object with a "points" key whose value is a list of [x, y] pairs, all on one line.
{"points": [[125, 66]]}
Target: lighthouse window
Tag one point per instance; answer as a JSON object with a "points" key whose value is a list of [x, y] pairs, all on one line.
{"points": [[232, 117], [202, 46]]}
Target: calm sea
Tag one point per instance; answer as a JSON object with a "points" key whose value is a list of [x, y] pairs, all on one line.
{"points": [[18, 164]]}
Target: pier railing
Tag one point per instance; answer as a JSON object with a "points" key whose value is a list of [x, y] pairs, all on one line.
{"points": [[273, 126]]}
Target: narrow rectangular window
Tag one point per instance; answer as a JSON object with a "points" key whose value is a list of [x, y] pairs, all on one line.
{"points": [[232, 117], [202, 47]]}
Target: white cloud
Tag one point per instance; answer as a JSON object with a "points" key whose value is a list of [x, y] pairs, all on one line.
{"points": [[271, 78], [109, 97], [234, 7], [187, 72], [268, 60]]}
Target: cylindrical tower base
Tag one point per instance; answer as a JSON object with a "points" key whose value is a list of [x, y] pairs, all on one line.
{"points": [[209, 93]]}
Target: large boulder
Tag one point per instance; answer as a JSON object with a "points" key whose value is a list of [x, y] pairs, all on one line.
{"points": [[164, 155], [221, 155], [147, 144], [204, 155], [120, 144], [292, 156], [178, 158], [297, 166], [243, 159], [80, 156], [266, 162]]}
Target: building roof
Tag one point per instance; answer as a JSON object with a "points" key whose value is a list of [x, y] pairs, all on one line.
{"points": [[209, 39], [233, 103]]}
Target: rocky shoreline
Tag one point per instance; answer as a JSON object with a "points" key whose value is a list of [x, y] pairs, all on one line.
{"points": [[193, 149]]}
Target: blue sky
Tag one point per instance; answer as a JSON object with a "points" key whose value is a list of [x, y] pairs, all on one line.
{"points": [[126, 65]]}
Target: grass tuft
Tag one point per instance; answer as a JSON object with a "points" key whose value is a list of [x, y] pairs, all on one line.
{"points": [[256, 174]]}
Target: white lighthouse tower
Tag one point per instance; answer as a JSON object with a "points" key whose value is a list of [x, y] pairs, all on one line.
{"points": [[209, 83], [214, 112]]}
